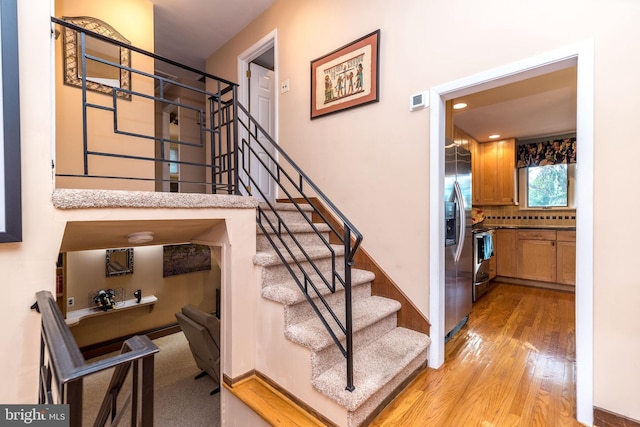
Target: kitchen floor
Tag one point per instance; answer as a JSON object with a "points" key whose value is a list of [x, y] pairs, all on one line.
{"points": [[513, 363]]}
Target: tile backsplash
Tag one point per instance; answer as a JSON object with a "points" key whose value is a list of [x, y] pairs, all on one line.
{"points": [[512, 215]]}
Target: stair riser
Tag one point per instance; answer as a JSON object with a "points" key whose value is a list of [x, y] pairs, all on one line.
{"points": [[326, 358], [300, 312], [288, 216], [305, 239], [279, 273]]}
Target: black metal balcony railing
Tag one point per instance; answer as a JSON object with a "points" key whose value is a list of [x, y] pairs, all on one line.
{"points": [[234, 151], [63, 369]]}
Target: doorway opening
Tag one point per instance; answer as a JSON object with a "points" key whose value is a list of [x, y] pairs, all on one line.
{"points": [[580, 55], [257, 72]]}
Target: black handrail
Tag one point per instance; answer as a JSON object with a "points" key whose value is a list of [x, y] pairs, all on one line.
{"points": [[254, 137], [109, 40], [63, 368]]}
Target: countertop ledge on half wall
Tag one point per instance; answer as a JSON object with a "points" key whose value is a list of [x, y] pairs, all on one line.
{"points": [[85, 199]]}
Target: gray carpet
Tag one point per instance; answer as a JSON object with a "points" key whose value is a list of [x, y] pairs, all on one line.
{"points": [[179, 400]]}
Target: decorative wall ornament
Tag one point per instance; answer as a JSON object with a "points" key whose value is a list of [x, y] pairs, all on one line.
{"points": [[347, 77], [120, 57], [119, 262], [107, 299], [548, 152], [182, 259]]}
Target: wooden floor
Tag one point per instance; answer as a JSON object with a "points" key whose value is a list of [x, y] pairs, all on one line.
{"points": [[513, 364]]}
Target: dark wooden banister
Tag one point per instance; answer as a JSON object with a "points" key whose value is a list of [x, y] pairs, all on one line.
{"points": [[63, 368]]}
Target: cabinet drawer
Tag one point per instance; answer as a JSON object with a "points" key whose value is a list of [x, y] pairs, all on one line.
{"points": [[536, 235], [567, 236]]}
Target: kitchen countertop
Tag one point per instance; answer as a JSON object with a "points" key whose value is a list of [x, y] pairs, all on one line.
{"points": [[529, 227]]}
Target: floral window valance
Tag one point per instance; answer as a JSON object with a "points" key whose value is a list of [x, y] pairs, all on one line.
{"points": [[551, 152]]}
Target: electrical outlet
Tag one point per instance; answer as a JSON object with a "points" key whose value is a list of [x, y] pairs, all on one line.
{"points": [[284, 87], [71, 301]]}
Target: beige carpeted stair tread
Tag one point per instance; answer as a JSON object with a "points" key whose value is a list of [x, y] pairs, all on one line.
{"points": [[266, 259], [305, 207], [374, 366], [289, 293], [295, 227], [312, 333]]}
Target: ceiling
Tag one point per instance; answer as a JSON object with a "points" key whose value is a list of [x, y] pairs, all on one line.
{"points": [[539, 106], [189, 31], [86, 235]]}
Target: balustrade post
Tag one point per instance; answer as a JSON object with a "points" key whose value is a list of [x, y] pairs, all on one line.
{"points": [[348, 263]]}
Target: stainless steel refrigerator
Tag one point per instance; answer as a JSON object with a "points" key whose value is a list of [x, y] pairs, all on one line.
{"points": [[458, 239]]}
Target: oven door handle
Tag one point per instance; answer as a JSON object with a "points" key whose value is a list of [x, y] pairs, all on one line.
{"points": [[462, 221]]}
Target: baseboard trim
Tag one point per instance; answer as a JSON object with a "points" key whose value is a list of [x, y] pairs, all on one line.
{"points": [[535, 284], [105, 347], [232, 381], [603, 418]]}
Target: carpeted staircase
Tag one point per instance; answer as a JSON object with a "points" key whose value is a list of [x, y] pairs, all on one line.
{"points": [[385, 355]]}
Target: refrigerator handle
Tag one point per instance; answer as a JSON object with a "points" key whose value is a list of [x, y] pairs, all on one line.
{"points": [[462, 221]]}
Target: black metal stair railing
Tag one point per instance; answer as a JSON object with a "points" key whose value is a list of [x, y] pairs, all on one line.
{"points": [[117, 102], [255, 159], [235, 150]]}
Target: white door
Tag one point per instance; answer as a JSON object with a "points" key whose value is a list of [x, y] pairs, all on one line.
{"points": [[262, 108]]}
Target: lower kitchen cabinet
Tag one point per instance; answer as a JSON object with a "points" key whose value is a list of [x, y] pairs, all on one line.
{"points": [[505, 249], [535, 254], [537, 259], [566, 268]]}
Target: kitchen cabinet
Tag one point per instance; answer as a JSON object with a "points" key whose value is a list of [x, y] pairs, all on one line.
{"points": [[494, 175], [566, 258], [464, 139], [537, 255], [505, 250]]}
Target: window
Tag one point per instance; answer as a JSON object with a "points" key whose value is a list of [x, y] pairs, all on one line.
{"points": [[547, 187]]}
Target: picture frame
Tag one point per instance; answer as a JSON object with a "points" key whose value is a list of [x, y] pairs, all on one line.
{"points": [[346, 78], [10, 172], [119, 262], [185, 258]]}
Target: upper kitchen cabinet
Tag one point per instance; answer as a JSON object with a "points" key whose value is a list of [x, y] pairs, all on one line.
{"points": [[494, 175]]}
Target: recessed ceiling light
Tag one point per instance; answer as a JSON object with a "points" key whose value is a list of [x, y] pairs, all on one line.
{"points": [[494, 136], [459, 105], [140, 237]]}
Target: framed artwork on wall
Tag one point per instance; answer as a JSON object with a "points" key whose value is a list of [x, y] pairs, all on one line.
{"points": [[10, 180], [186, 258], [346, 78]]}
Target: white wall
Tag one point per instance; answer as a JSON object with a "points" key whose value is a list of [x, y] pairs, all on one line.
{"points": [[373, 161], [29, 266]]}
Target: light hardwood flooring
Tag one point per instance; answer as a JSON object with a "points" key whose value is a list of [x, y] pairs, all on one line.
{"points": [[513, 364]]}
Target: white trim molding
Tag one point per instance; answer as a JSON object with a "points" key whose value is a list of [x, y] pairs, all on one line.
{"points": [[582, 55]]}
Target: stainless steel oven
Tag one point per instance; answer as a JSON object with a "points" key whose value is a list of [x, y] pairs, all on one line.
{"points": [[482, 254]]}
